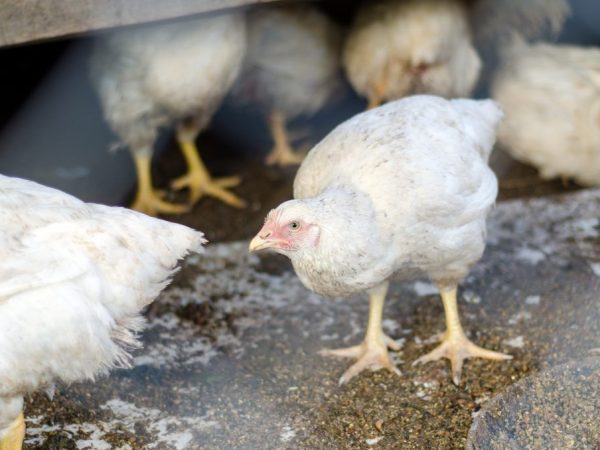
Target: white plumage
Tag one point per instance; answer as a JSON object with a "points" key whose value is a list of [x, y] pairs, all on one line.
{"points": [[292, 68], [551, 95], [73, 279], [402, 47], [163, 74], [400, 190]]}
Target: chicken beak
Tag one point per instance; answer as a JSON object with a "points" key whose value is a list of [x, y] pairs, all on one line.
{"points": [[258, 243]]}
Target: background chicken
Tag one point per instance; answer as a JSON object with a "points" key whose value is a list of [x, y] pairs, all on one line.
{"points": [[73, 279], [551, 96], [397, 191], [401, 47], [292, 68], [156, 75]]}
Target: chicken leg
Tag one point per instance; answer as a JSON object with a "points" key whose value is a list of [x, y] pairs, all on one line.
{"points": [[147, 200], [377, 94], [13, 437], [198, 179], [372, 353], [455, 345], [282, 153]]}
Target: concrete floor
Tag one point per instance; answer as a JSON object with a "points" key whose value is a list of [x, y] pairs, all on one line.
{"points": [[230, 354]]}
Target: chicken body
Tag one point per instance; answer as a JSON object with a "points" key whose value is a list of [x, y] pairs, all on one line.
{"points": [[174, 73], [292, 68], [551, 95], [73, 280], [397, 191], [401, 47]]}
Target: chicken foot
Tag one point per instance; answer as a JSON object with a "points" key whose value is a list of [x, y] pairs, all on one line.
{"points": [[198, 179], [13, 438], [455, 345], [282, 153], [147, 199], [372, 353]]}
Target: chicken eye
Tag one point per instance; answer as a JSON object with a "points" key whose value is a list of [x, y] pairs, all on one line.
{"points": [[294, 226]]}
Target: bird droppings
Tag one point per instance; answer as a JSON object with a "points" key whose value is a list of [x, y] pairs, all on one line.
{"points": [[529, 255], [230, 354], [471, 297], [373, 441], [287, 434], [533, 300], [521, 316], [423, 289], [516, 342]]}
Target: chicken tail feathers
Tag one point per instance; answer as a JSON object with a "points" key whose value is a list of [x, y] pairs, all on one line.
{"points": [[481, 117]]}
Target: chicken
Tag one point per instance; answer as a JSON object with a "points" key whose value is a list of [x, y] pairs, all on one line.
{"points": [[396, 48], [401, 47], [157, 75], [397, 191], [551, 95], [292, 68], [73, 279]]}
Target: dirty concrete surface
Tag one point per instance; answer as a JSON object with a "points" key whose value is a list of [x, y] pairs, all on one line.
{"points": [[230, 353]]}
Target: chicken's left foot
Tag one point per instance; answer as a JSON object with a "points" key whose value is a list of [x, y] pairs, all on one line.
{"points": [[282, 153], [13, 438], [199, 181], [457, 347], [214, 187], [371, 355]]}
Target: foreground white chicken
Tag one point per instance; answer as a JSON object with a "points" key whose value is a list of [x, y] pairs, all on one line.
{"points": [[73, 279], [397, 191], [551, 96], [401, 47], [292, 68], [157, 75]]}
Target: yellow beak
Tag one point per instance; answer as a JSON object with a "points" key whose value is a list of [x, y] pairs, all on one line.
{"points": [[258, 243]]}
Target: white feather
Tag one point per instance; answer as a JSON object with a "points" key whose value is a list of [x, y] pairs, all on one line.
{"points": [[73, 280], [551, 96]]}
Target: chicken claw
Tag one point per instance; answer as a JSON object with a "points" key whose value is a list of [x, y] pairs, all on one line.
{"points": [[455, 345], [199, 181], [282, 153], [371, 354], [147, 199]]}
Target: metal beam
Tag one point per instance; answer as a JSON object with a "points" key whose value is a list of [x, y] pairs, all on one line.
{"points": [[31, 20]]}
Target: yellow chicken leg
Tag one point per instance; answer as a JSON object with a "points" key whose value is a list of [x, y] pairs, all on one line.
{"points": [[455, 345], [198, 179], [147, 200], [13, 438], [372, 353], [282, 153], [377, 94]]}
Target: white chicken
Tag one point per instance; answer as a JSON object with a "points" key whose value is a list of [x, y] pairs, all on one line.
{"points": [[292, 68], [157, 75], [400, 190], [551, 96], [73, 279], [402, 47]]}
